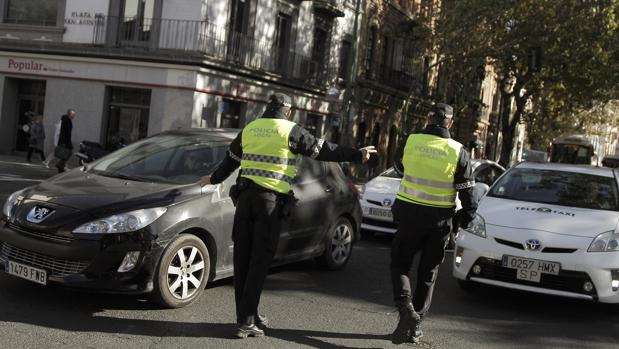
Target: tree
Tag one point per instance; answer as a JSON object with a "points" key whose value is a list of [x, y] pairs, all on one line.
{"points": [[578, 41]]}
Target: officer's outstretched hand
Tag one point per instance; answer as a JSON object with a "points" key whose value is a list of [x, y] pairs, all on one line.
{"points": [[205, 180], [366, 153]]}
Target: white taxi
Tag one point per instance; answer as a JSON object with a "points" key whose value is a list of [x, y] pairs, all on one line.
{"points": [[547, 228]]}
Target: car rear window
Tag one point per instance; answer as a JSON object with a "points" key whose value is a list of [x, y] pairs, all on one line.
{"points": [[558, 188]]}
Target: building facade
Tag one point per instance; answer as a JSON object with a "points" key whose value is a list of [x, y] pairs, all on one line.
{"points": [[133, 68], [395, 77]]}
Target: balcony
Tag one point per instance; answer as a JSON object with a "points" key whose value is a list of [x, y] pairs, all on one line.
{"points": [[215, 42], [388, 76], [332, 8]]}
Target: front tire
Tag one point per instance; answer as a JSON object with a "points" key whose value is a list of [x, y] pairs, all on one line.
{"points": [[182, 272], [338, 245]]}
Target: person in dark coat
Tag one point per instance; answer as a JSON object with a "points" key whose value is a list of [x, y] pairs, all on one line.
{"points": [[64, 140], [37, 137]]}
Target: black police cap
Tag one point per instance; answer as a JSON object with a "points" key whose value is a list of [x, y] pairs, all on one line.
{"points": [[280, 100], [439, 112]]}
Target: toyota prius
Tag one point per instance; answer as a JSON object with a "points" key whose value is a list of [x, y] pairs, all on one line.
{"points": [[546, 228]]}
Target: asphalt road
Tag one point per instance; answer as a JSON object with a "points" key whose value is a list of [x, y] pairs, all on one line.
{"points": [[308, 308]]}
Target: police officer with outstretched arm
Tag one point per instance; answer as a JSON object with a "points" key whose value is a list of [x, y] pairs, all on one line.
{"points": [[435, 168], [266, 150]]}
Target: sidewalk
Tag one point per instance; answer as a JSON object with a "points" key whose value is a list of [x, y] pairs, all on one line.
{"points": [[15, 167]]}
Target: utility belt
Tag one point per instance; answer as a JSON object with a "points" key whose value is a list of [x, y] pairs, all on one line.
{"points": [[287, 202]]}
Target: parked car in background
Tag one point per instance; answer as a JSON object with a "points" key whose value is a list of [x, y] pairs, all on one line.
{"points": [[137, 221], [547, 228], [378, 195]]}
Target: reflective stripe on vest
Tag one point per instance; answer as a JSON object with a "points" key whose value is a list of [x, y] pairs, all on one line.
{"points": [[268, 174], [428, 182], [429, 168], [269, 159], [266, 159]]}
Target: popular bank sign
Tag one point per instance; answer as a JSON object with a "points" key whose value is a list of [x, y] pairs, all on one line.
{"points": [[26, 65]]}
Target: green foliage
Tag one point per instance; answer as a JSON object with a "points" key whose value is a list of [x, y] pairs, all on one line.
{"points": [[580, 45]]}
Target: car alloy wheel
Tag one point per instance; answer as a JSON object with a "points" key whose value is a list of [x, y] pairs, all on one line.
{"points": [[182, 272], [341, 243], [338, 245], [185, 272]]}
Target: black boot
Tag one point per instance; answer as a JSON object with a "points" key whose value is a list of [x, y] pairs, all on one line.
{"points": [[416, 333], [249, 330], [246, 327], [261, 321], [408, 321]]}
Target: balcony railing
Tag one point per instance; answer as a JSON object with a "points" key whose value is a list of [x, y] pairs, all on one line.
{"points": [[214, 41], [389, 76]]}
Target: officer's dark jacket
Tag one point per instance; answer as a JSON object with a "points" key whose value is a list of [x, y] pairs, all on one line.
{"points": [[300, 142], [463, 180]]}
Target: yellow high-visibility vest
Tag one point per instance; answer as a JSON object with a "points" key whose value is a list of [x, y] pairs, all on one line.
{"points": [[267, 160], [429, 167]]}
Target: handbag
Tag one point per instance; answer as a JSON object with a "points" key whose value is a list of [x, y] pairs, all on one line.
{"points": [[62, 152]]}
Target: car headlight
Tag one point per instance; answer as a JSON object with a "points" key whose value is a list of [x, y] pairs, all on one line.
{"points": [[477, 226], [361, 191], [606, 242], [122, 223], [10, 203]]}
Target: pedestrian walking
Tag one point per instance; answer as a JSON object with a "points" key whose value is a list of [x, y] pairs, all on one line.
{"points": [[37, 138], [64, 147], [266, 151], [435, 168]]}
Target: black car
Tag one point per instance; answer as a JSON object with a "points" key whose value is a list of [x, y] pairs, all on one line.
{"points": [[136, 221]]}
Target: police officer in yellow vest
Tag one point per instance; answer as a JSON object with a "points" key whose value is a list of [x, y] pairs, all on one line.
{"points": [[435, 168], [266, 150]]}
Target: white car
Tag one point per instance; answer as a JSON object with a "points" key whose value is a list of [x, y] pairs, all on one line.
{"points": [[378, 195], [547, 228]]}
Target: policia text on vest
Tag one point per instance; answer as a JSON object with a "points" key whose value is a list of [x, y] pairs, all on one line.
{"points": [[266, 151]]}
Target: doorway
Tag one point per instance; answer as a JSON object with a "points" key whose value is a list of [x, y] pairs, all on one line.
{"points": [[30, 102], [129, 110]]}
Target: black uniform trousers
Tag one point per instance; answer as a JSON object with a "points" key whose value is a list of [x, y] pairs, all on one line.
{"points": [[257, 225], [417, 232]]}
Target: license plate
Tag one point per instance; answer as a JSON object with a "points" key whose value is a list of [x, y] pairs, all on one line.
{"points": [[530, 269], [27, 272], [381, 212]]}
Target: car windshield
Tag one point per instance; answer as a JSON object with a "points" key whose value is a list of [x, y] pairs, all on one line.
{"points": [[167, 158], [558, 188], [391, 173]]}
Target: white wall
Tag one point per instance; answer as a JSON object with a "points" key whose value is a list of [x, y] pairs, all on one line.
{"points": [[80, 17], [305, 29], [266, 23], [86, 97], [170, 109], [183, 10], [217, 12]]}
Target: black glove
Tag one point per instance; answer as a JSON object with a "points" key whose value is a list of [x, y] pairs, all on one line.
{"points": [[465, 219]]}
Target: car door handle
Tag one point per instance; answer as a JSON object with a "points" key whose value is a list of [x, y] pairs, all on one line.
{"points": [[329, 189]]}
